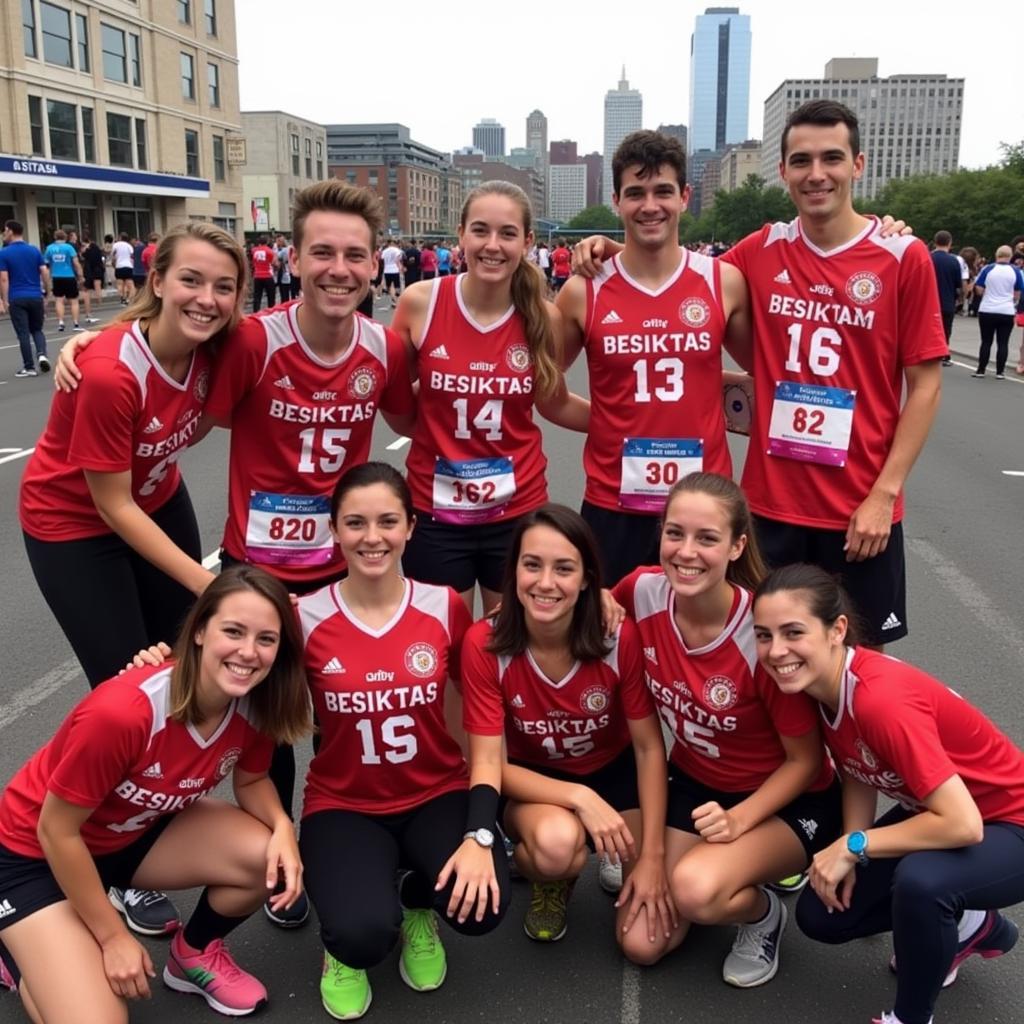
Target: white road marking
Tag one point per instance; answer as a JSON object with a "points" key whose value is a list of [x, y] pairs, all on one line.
{"points": [[212, 560], [973, 366], [1013, 472], [35, 693], [399, 442], [18, 454], [630, 994]]}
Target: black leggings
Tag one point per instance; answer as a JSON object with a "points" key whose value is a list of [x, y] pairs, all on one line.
{"points": [[1000, 327], [263, 286], [109, 601], [919, 898], [351, 861]]}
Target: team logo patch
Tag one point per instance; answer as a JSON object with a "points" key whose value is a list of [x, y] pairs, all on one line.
{"points": [[518, 357], [864, 287], [866, 755], [201, 387], [594, 699], [228, 761], [362, 383], [421, 660], [720, 693], [694, 312]]}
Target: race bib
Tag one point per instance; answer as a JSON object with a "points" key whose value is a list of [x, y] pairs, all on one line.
{"points": [[650, 467], [811, 423], [289, 529], [472, 491]]}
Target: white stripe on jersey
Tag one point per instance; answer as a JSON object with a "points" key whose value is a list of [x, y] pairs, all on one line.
{"points": [[432, 600]]}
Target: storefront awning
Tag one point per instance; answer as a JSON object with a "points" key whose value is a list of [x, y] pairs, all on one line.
{"points": [[39, 173]]}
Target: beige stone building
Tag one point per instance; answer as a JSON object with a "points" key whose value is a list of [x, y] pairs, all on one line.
{"points": [[285, 153], [119, 115], [738, 163]]}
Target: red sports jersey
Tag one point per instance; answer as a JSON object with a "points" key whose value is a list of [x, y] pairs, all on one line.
{"points": [[724, 712], [903, 732], [262, 261], [576, 724], [120, 752], [379, 699], [561, 262], [833, 331], [655, 363], [127, 415], [476, 453], [297, 423]]}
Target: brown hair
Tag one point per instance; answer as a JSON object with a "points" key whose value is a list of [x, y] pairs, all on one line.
{"points": [[749, 569], [280, 704], [825, 113], [650, 150], [147, 305], [528, 290], [825, 597], [336, 196]]}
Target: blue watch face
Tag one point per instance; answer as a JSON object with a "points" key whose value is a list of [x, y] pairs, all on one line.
{"points": [[857, 842]]}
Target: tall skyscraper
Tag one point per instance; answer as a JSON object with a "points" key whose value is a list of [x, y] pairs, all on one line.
{"points": [[489, 136], [676, 131], [563, 151], [537, 134], [623, 113], [719, 79]]}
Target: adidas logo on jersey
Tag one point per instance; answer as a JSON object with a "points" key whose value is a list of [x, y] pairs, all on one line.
{"points": [[892, 622], [154, 771], [611, 317], [153, 426], [284, 382], [333, 668], [651, 654], [6, 909], [440, 352], [518, 702], [783, 278], [809, 825]]}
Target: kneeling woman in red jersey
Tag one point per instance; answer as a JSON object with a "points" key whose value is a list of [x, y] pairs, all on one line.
{"points": [[108, 524], [484, 347], [586, 760], [119, 798], [389, 788], [751, 796], [935, 869]]}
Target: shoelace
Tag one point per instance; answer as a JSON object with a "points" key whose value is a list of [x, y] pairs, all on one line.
{"points": [[342, 972], [750, 943], [147, 897], [549, 896], [218, 961], [421, 932]]}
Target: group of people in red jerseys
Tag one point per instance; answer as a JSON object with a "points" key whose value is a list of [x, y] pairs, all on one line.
{"points": [[754, 675]]}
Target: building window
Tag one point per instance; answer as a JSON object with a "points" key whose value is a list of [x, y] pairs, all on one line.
{"points": [[350, 177], [121, 61], [119, 139], [210, 8], [213, 84], [219, 171], [185, 12], [82, 32], [56, 26], [295, 156], [140, 143], [188, 77], [136, 60], [88, 135], [63, 121], [309, 158], [35, 120], [319, 160], [191, 153], [28, 27], [374, 179]]}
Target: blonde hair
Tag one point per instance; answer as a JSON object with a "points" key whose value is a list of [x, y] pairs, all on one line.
{"points": [[528, 290], [336, 196]]}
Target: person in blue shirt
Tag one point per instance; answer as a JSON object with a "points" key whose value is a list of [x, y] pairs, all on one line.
{"points": [[66, 273], [22, 268]]}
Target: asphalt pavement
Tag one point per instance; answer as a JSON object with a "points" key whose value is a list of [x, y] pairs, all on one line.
{"points": [[963, 522]]}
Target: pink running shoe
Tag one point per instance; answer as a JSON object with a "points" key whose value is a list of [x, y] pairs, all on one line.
{"points": [[215, 976], [6, 978]]}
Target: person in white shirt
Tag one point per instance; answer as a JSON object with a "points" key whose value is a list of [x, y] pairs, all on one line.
{"points": [[391, 256], [1000, 286]]}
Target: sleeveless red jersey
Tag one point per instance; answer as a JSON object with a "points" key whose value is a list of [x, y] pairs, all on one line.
{"points": [[120, 752], [127, 415], [724, 712], [297, 423], [655, 363], [379, 699], [834, 331], [476, 452], [576, 724]]}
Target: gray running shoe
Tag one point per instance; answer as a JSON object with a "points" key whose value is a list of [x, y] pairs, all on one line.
{"points": [[755, 953]]}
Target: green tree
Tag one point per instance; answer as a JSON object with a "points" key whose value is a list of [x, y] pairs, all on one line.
{"points": [[594, 218], [735, 214]]}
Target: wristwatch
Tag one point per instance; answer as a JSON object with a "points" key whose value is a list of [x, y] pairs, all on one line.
{"points": [[857, 844], [483, 836]]}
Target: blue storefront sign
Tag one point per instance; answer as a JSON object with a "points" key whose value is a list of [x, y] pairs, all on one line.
{"points": [[38, 172]]}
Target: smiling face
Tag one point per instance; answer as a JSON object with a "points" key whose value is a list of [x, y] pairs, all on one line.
{"points": [[239, 643], [335, 262], [494, 240], [372, 528], [820, 168], [549, 576], [199, 292], [697, 544], [650, 206]]}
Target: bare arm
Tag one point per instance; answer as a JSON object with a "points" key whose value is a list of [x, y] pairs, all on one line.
{"points": [[572, 307], [739, 331]]}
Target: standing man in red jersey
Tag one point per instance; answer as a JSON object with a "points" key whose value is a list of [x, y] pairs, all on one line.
{"points": [[264, 264]]}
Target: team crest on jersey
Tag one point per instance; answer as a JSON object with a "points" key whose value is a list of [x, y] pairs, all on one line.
{"points": [[518, 357], [421, 660], [720, 693], [694, 312], [228, 762], [864, 287], [362, 383], [201, 387], [865, 753], [594, 699]]}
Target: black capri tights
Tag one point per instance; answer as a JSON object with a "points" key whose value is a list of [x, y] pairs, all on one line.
{"points": [[351, 862]]}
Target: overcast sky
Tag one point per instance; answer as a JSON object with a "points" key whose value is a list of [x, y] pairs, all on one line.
{"points": [[440, 67]]}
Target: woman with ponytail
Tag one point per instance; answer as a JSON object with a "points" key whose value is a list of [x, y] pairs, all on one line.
{"points": [[484, 343]]}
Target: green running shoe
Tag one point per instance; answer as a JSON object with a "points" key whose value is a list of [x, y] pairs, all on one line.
{"points": [[546, 920], [423, 964], [344, 991], [792, 884]]}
